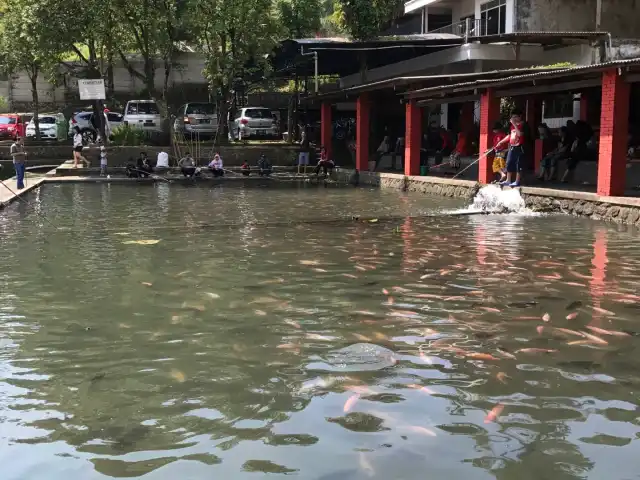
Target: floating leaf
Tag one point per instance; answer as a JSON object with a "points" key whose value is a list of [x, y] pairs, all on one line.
{"points": [[141, 242]]}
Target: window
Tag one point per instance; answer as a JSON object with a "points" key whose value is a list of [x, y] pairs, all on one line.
{"points": [[8, 120], [142, 108], [200, 109], [559, 106], [47, 120], [493, 17], [114, 117], [257, 113]]}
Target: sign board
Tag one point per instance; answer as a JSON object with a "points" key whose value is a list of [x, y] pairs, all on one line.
{"points": [[92, 89]]}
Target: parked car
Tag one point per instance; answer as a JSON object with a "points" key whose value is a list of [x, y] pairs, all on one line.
{"points": [[196, 118], [83, 120], [12, 125], [144, 114], [253, 122], [51, 127]]}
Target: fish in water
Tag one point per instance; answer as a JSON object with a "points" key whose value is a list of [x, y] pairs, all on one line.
{"points": [[147, 284], [212, 296], [501, 376], [178, 376], [571, 316], [574, 305], [350, 403], [546, 317], [602, 331], [494, 414], [536, 350]]}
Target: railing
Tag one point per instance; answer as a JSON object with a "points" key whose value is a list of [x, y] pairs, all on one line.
{"points": [[468, 27]]}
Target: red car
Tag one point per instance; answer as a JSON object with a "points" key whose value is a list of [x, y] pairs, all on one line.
{"points": [[11, 126]]}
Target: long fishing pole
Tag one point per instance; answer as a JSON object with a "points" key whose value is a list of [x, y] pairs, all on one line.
{"points": [[473, 163], [28, 204], [152, 175]]}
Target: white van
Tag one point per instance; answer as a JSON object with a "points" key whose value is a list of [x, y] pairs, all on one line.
{"points": [[144, 114]]}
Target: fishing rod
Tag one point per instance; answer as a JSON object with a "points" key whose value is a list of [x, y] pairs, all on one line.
{"points": [[473, 163], [28, 204], [152, 175]]}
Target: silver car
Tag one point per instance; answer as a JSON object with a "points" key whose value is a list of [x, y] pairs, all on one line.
{"points": [[253, 122], [83, 120], [196, 119], [144, 114]]}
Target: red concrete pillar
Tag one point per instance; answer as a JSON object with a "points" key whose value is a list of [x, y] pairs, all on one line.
{"points": [[584, 107], [466, 117], [489, 114], [363, 110], [326, 129], [412, 138], [614, 128]]}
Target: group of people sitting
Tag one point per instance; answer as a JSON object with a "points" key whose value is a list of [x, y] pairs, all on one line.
{"points": [[575, 143], [264, 167]]}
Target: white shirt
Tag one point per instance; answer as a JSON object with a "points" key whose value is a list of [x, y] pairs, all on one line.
{"points": [[217, 163], [77, 140], [103, 157], [163, 160]]}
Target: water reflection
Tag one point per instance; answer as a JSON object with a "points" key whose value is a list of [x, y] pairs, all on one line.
{"points": [[247, 347]]}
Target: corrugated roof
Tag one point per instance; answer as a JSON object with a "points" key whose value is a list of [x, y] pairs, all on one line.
{"points": [[545, 74]]}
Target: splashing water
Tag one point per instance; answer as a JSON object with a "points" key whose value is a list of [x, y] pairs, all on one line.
{"points": [[493, 199]]}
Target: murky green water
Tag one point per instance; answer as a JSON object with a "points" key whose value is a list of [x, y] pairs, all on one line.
{"points": [[215, 353]]}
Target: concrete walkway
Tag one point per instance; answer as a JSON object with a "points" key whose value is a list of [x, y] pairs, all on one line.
{"points": [[9, 191]]}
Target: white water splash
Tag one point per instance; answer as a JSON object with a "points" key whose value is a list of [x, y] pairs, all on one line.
{"points": [[493, 199]]}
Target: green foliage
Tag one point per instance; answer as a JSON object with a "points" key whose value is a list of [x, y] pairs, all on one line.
{"points": [[128, 135], [299, 18], [363, 19], [557, 65]]}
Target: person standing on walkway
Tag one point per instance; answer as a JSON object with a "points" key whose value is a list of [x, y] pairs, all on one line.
{"points": [[515, 155], [305, 148], [19, 160]]}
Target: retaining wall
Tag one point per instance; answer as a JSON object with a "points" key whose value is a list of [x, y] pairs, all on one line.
{"points": [[625, 210]]}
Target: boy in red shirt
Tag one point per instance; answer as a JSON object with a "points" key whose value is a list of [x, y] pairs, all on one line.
{"points": [[515, 155], [499, 152], [461, 149]]}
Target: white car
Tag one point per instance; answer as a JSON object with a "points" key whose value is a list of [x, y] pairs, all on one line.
{"points": [[144, 114], [253, 122], [51, 126], [83, 121]]}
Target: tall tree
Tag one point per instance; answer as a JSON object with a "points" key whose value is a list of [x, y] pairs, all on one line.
{"points": [[364, 19], [231, 34], [25, 48]]}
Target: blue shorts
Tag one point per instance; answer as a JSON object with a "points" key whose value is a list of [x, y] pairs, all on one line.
{"points": [[303, 158], [514, 157]]}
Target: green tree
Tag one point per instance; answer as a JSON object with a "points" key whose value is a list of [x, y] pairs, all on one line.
{"points": [[25, 48], [364, 19], [233, 34]]}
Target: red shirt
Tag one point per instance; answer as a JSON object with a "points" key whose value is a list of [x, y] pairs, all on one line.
{"points": [[461, 145], [446, 140], [516, 139], [497, 138]]}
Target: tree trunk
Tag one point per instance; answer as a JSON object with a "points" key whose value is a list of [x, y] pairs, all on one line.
{"points": [[150, 76], [223, 112], [34, 99]]}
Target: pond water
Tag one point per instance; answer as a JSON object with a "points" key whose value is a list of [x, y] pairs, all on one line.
{"points": [[273, 340]]}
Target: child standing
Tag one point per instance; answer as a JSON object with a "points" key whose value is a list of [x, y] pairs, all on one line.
{"points": [[103, 161], [500, 152]]}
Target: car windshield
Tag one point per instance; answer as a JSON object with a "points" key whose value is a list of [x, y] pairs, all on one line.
{"points": [[114, 117], [200, 109], [8, 120], [47, 120], [257, 113], [143, 108]]}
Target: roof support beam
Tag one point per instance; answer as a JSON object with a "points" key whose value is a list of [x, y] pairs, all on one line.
{"points": [[556, 87], [440, 101]]}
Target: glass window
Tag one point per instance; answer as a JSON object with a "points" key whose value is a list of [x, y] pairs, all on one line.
{"points": [[142, 108], [493, 17], [201, 109], [8, 120], [559, 106], [114, 117], [257, 113], [48, 120]]}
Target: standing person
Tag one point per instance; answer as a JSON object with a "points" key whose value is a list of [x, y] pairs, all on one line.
{"points": [[264, 166], [305, 148], [216, 166], [398, 152], [499, 166], [78, 145], [382, 150], [19, 160], [515, 155], [107, 126], [103, 161]]}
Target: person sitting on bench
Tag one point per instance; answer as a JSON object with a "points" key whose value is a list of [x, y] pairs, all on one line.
{"points": [[216, 166], [143, 165], [187, 165], [264, 165], [325, 163], [245, 169], [162, 163]]}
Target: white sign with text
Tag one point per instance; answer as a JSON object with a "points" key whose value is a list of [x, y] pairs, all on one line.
{"points": [[92, 89]]}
